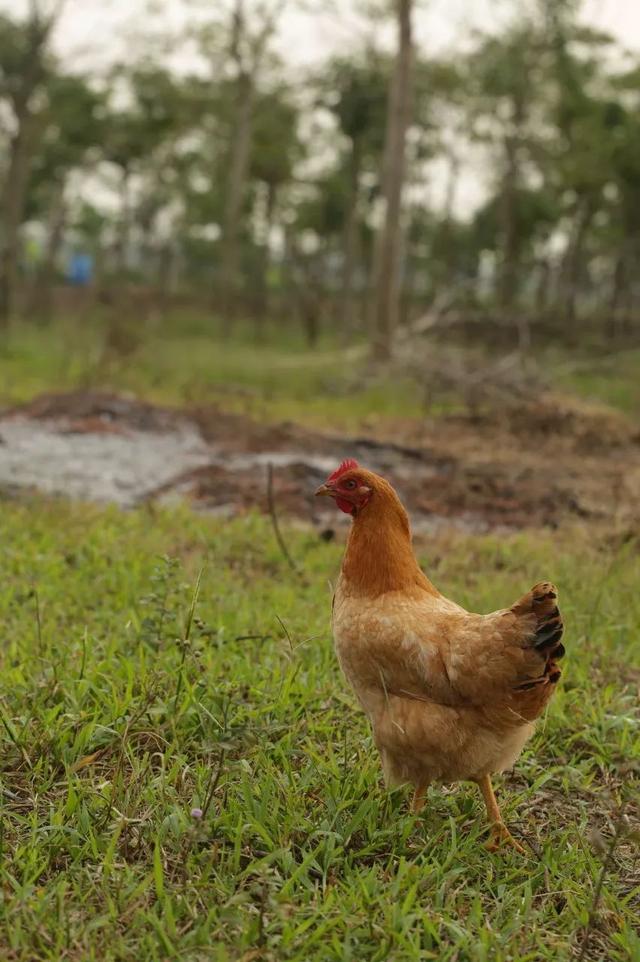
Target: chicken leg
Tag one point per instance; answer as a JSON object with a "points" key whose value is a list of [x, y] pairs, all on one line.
{"points": [[419, 797], [500, 834]]}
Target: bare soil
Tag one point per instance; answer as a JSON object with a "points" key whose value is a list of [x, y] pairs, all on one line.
{"points": [[535, 464]]}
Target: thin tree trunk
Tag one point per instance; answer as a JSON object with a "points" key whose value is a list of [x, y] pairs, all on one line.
{"points": [[124, 231], [442, 238], [12, 208], [238, 171], [307, 289], [262, 305], [41, 299], [248, 67], [542, 287], [508, 280], [618, 284], [511, 240], [23, 143], [386, 286], [350, 244], [572, 261]]}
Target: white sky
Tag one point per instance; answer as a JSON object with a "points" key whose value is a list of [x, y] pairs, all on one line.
{"points": [[93, 31]]}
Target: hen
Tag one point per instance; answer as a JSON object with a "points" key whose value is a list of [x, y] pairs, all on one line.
{"points": [[450, 695]]}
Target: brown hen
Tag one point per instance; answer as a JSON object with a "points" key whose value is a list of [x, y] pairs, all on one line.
{"points": [[450, 695]]}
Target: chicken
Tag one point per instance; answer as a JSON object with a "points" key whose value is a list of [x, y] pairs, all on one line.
{"points": [[450, 695]]}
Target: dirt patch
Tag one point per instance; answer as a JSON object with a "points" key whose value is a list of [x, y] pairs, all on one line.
{"points": [[535, 465], [97, 410]]}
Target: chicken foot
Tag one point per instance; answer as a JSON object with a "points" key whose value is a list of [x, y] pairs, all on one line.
{"points": [[500, 835]]}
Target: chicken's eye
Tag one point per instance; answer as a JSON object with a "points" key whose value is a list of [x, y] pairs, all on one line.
{"points": [[350, 484]]}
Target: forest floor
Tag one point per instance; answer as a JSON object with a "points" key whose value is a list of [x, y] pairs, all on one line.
{"points": [[184, 773]]}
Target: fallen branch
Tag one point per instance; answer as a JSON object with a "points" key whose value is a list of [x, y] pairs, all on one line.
{"points": [[213, 784], [274, 520]]}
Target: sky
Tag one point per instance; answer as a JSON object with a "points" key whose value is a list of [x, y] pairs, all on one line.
{"points": [[93, 31]]}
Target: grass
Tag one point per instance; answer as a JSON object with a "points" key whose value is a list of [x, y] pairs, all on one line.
{"points": [[127, 702], [611, 380], [184, 773], [185, 360]]}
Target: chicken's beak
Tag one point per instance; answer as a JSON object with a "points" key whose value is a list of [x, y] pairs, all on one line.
{"points": [[325, 490]]}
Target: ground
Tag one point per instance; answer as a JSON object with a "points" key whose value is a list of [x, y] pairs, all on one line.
{"points": [[184, 773], [544, 462]]}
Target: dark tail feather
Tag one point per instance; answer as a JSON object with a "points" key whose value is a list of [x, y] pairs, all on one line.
{"points": [[541, 601]]}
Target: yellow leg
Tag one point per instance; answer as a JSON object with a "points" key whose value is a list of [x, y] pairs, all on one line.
{"points": [[418, 800], [500, 834]]}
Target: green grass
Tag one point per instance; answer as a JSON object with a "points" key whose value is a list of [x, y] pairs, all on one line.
{"points": [[186, 362], [300, 853], [611, 380], [184, 359]]}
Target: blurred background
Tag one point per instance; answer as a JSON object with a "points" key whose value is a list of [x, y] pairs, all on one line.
{"points": [[415, 222]]}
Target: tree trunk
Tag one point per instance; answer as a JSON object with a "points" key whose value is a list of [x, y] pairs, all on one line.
{"points": [[508, 281], [442, 245], [12, 208], [350, 244], [21, 151], [572, 261], [542, 287], [264, 263], [238, 171], [386, 285], [247, 67], [124, 229], [618, 285], [41, 299]]}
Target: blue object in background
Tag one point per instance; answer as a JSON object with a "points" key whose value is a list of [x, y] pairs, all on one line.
{"points": [[80, 270]]}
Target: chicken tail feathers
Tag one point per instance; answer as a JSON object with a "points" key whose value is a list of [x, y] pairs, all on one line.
{"points": [[542, 603]]}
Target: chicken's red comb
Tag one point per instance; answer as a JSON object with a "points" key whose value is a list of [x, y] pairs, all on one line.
{"points": [[347, 465]]}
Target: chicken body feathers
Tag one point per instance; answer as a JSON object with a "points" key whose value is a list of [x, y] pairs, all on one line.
{"points": [[450, 694]]}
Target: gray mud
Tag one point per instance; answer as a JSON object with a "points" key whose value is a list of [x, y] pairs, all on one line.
{"points": [[118, 467]]}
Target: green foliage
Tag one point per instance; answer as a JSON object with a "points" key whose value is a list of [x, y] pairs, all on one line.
{"points": [[18, 40], [535, 211], [542, 106], [154, 115], [275, 144], [356, 92], [120, 721], [325, 211], [73, 124]]}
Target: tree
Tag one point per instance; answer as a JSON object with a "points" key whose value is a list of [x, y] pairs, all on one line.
{"points": [[24, 66], [622, 199], [73, 126], [275, 150], [356, 92], [247, 51], [507, 77], [140, 141], [386, 286], [587, 123]]}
